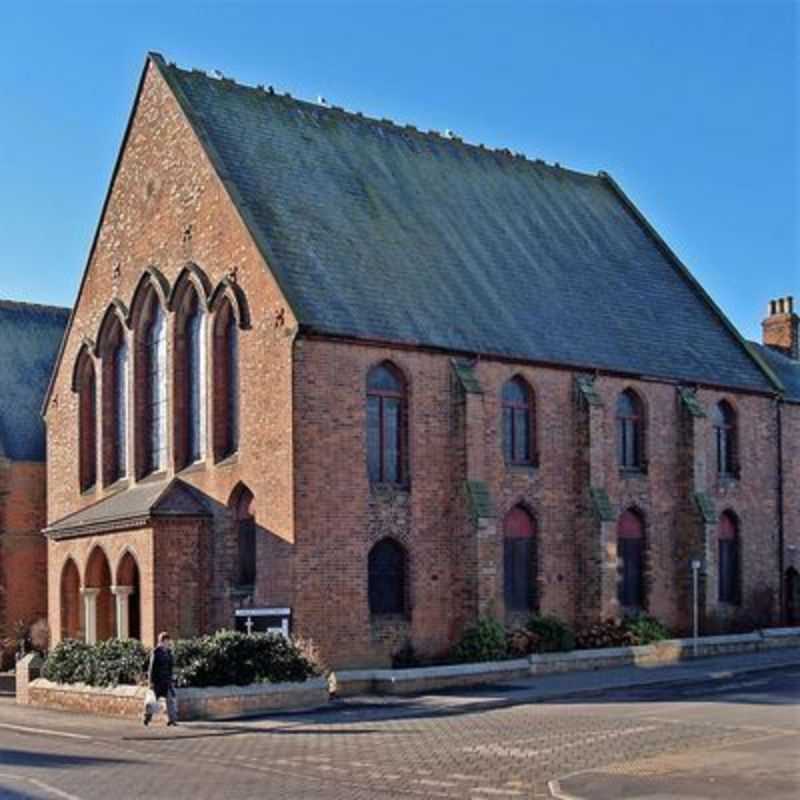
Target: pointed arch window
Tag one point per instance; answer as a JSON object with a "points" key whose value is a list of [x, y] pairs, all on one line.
{"points": [[386, 426], [226, 382], [155, 358], [387, 578], [519, 560], [86, 386], [725, 440], [195, 385], [114, 354], [242, 504], [518, 423], [729, 559], [120, 361], [630, 431], [630, 560]]}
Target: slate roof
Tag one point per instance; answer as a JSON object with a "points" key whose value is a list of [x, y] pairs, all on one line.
{"points": [[30, 336], [166, 498], [380, 232], [787, 370]]}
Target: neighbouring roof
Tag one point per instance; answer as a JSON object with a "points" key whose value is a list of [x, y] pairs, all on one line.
{"points": [[30, 336], [135, 506], [380, 232], [787, 370]]}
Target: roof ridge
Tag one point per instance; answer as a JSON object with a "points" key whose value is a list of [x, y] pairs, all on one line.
{"points": [[408, 129], [14, 304]]}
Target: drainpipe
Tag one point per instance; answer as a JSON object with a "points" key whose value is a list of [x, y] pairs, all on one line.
{"points": [[781, 587]]}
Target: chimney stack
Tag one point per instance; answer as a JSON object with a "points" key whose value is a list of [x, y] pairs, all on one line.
{"points": [[780, 328]]}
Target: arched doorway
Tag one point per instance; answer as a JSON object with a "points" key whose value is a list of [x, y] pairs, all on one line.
{"points": [[97, 598], [792, 596], [70, 595], [127, 593], [520, 566], [630, 559]]}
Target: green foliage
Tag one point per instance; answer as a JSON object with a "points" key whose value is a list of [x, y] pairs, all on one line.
{"points": [[221, 659], [628, 632], [553, 635], [646, 630], [230, 658], [70, 661], [484, 641]]}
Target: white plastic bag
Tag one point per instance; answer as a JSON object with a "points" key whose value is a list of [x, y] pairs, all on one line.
{"points": [[151, 704]]}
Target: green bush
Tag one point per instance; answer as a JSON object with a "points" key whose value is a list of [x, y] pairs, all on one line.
{"points": [[484, 641], [552, 635], [230, 658], [621, 633], [646, 630], [221, 659], [71, 661]]}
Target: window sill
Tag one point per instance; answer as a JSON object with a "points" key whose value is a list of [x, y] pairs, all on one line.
{"points": [[117, 486], [522, 468], [196, 466], [153, 477], [89, 491], [390, 488], [389, 619], [229, 460], [242, 591], [628, 473]]}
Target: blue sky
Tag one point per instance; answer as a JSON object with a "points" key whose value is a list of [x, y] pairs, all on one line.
{"points": [[691, 106]]}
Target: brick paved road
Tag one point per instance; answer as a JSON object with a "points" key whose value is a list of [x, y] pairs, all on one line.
{"points": [[739, 738]]}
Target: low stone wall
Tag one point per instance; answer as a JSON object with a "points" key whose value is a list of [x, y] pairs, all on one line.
{"points": [[193, 704], [414, 681]]}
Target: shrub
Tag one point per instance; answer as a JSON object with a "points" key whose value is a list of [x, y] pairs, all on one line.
{"points": [[611, 633], [484, 641], [70, 661], [521, 642], [232, 658], [119, 661], [221, 659], [552, 635], [646, 630]]}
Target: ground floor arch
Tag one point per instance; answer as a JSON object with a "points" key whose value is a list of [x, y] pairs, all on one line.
{"points": [[127, 594], [70, 601]]}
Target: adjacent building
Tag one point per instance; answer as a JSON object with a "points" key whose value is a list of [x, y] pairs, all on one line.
{"points": [[340, 375], [29, 340]]}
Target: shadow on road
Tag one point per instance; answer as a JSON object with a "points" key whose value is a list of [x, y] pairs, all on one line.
{"points": [[29, 758]]}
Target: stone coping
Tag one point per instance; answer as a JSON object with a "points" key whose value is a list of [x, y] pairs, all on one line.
{"points": [[420, 679]]}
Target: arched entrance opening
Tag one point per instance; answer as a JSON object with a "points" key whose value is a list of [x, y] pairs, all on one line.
{"points": [[630, 559], [70, 595], [98, 603], [127, 593]]}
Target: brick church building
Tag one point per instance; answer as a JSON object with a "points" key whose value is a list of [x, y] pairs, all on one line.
{"points": [[29, 339], [368, 383]]}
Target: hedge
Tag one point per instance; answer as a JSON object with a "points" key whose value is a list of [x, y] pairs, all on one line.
{"points": [[220, 659]]}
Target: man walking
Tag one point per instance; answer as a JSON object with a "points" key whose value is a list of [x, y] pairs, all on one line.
{"points": [[159, 676]]}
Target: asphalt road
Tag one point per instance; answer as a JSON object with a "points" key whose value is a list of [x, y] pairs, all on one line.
{"points": [[737, 738]]}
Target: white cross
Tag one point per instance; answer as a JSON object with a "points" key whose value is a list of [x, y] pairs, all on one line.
{"points": [[249, 626]]}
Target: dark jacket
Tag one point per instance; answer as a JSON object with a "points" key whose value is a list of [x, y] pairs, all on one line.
{"points": [[160, 672]]}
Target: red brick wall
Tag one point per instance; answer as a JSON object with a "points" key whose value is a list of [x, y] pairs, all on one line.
{"points": [[23, 553], [790, 414], [164, 187], [339, 517]]}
